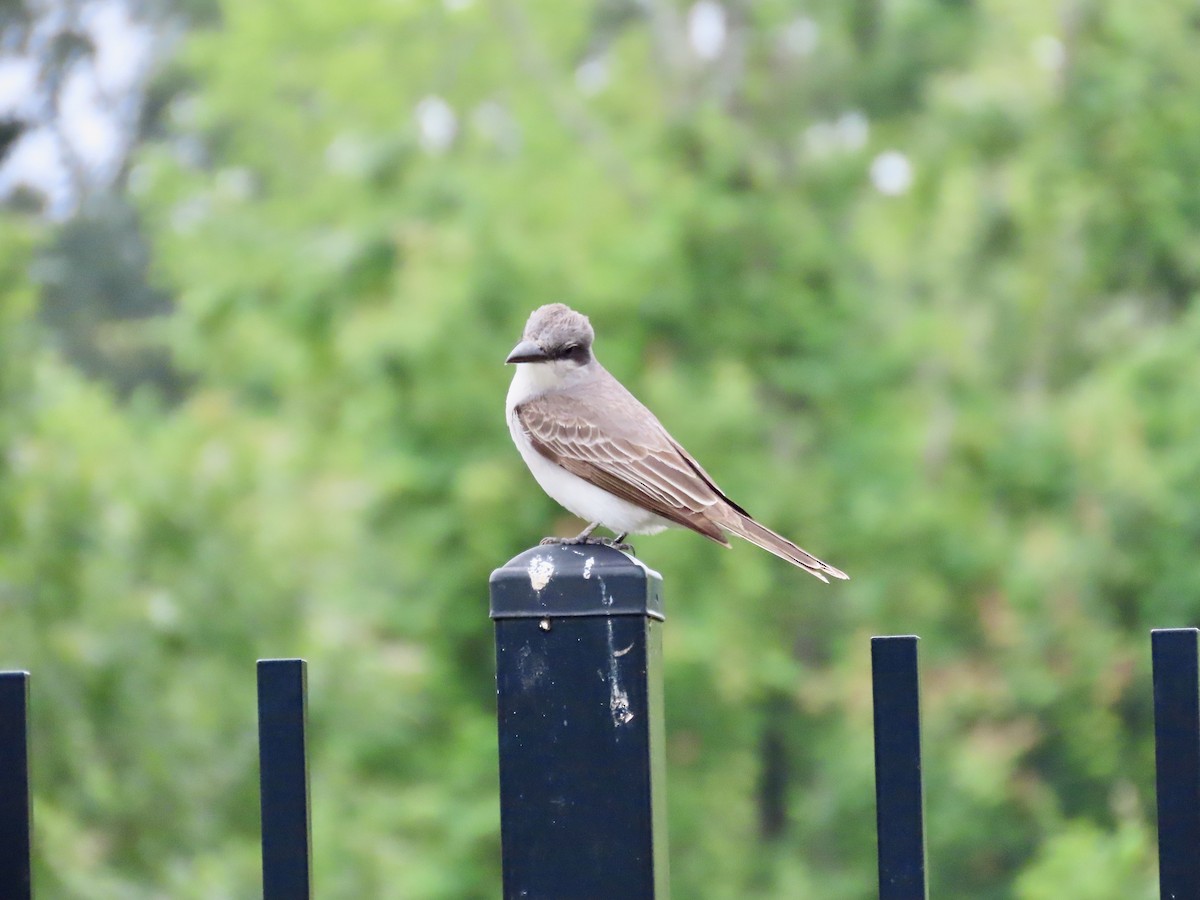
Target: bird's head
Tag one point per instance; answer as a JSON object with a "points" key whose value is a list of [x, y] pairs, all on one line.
{"points": [[555, 333]]}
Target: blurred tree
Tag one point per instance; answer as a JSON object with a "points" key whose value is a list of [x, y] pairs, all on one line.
{"points": [[937, 260]]}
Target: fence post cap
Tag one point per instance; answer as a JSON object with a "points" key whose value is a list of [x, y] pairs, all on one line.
{"points": [[555, 580]]}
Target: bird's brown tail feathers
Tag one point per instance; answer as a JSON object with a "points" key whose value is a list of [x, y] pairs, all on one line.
{"points": [[745, 527]]}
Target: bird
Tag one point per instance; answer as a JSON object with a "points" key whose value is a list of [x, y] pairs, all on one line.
{"points": [[603, 456]]}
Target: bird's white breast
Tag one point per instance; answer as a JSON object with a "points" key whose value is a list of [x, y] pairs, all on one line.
{"points": [[581, 498]]}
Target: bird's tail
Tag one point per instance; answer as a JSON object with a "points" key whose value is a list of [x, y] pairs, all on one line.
{"points": [[745, 527]]}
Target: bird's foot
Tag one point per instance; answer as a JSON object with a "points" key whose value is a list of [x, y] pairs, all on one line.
{"points": [[584, 537], [616, 543]]}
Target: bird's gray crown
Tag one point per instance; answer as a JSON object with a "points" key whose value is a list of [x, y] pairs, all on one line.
{"points": [[556, 326]]}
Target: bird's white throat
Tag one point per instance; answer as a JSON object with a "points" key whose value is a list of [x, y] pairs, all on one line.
{"points": [[533, 379]]}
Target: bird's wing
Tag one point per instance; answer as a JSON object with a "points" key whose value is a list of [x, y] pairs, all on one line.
{"points": [[601, 433]]}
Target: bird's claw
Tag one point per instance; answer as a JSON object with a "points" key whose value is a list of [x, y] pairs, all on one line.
{"points": [[578, 541], [573, 542], [615, 544]]}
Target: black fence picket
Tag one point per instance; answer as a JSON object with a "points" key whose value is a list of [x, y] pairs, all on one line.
{"points": [[899, 794], [16, 877], [1177, 758], [283, 779], [580, 716], [581, 756]]}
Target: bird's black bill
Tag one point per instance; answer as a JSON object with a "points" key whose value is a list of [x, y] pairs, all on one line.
{"points": [[527, 351]]}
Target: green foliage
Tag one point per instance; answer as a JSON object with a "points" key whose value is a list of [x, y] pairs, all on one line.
{"points": [[977, 396]]}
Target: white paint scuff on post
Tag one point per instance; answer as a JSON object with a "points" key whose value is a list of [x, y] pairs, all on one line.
{"points": [[605, 596], [541, 570], [587, 567], [618, 697]]}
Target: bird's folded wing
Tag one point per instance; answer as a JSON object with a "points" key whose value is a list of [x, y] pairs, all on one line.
{"points": [[611, 441]]}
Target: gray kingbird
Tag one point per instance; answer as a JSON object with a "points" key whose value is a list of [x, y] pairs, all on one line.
{"points": [[603, 456]]}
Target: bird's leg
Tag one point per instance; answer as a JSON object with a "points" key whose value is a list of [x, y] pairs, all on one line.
{"points": [[617, 543], [584, 537]]}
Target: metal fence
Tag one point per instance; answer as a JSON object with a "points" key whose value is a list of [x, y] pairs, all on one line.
{"points": [[581, 739], [283, 783]]}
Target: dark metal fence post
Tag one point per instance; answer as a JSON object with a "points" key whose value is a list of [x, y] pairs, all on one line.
{"points": [[16, 880], [1177, 758], [283, 779], [899, 795], [579, 701]]}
